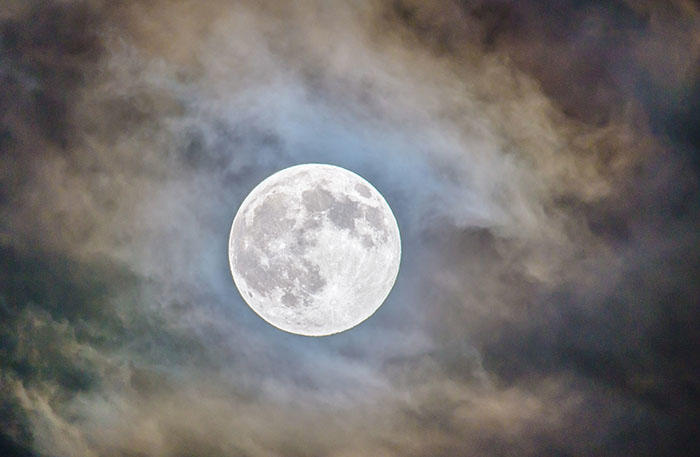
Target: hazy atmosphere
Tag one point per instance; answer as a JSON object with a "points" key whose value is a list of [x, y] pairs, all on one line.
{"points": [[542, 161]]}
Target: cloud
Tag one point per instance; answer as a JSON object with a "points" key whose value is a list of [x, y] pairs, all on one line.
{"points": [[544, 187]]}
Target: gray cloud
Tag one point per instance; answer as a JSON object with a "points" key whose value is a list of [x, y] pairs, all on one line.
{"points": [[539, 159]]}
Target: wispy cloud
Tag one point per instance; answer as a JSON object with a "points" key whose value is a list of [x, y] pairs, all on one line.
{"points": [[538, 157]]}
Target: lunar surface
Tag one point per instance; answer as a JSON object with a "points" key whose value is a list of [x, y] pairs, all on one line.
{"points": [[314, 249]]}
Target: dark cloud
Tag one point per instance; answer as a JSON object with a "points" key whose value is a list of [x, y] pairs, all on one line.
{"points": [[16, 437], [48, 52], [542, 162]]}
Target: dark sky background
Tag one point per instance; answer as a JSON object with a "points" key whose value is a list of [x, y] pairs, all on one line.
{"points": [[542, 159]]}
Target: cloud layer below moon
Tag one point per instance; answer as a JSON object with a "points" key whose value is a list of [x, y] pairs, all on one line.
{"points": [[541, 159]]}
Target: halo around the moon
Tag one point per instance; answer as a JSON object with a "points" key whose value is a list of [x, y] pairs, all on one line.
{"points": [[314, 249]]}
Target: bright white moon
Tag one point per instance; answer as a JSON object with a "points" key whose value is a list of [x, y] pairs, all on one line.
{"points": [[314, 249]]}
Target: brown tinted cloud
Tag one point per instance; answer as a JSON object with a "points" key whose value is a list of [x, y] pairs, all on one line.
{"points": [[542, 162]]}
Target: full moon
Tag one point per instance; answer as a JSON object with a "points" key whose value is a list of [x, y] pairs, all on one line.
{"points": [[314, 249]]}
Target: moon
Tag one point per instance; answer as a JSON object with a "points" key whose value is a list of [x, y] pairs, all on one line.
{"points": [[314, 249]]}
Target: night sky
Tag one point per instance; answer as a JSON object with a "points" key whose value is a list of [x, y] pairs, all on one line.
{"points": [[542, 159]]}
